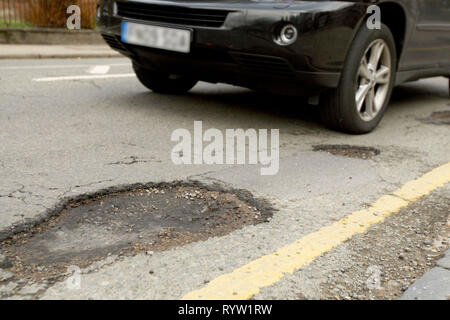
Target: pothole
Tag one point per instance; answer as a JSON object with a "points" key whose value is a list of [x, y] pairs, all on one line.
{"points": [[153, 218], [348, 151], [440, 117]]}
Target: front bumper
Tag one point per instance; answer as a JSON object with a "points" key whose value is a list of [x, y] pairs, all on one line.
{"points": [[242, 50]]}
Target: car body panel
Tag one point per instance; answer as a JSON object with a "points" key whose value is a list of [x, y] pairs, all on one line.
{"points": [[326, 28]]}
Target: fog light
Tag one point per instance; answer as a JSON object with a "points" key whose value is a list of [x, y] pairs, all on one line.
{"points": [[287, 35]]}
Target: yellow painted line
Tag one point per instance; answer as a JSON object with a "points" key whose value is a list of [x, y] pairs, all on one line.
{"points": [[246, 281], [415, 189]]}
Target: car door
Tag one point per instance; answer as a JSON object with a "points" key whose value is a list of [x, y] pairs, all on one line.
{"points": [[431, 41]]}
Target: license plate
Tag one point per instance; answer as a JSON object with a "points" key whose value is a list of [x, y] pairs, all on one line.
{"points": [[156, 37]]}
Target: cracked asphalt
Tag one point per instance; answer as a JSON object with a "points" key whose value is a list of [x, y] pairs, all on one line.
{"points": [[63, 139]]}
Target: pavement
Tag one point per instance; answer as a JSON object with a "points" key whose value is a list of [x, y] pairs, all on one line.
{"points": [[434, 284], [10, 51], [76, 126]]}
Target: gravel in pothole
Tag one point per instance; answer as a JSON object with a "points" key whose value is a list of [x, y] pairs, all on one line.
{"points": [[148, 219], [348, 151]]}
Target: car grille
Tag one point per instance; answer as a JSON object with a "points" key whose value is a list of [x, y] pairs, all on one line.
{"points": [[172, 14], [264, 64]]}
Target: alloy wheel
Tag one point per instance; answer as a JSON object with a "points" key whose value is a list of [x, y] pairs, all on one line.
{"points": [[373, 80]]}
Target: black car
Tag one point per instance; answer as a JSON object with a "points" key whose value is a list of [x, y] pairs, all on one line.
{"points": [[331, 50]]}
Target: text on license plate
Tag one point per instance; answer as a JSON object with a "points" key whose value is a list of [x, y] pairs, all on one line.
{"points": [[156, 37]]}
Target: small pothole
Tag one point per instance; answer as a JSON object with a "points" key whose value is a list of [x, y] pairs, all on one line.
{"points": [[440, 117], [154, 218], [348, 151]]}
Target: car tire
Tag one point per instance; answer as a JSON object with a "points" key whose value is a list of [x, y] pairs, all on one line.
{"points": [[164, 83], [340, 109]]}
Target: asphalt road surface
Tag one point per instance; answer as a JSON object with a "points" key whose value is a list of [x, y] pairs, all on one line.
{"points": [[73, 127]]}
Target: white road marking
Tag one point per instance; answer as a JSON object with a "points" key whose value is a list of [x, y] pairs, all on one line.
{"points": [[69, 78], [99, 69], [61, 66]]}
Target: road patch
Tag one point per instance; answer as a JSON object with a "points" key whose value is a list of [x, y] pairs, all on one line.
{"points": [[345, 150], [440, 117]]}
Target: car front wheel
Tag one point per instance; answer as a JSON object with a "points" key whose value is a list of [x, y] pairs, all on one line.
{"points": [[164, 83], [364, 91]]}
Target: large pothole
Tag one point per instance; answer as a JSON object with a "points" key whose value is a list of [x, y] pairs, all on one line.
{"points": [[154, 218]]}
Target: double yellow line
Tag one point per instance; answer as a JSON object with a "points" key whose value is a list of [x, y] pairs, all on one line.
{"points": [[246, 281]]}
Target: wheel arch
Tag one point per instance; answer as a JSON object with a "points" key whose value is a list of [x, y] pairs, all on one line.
{"points": [[394, 16]]}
